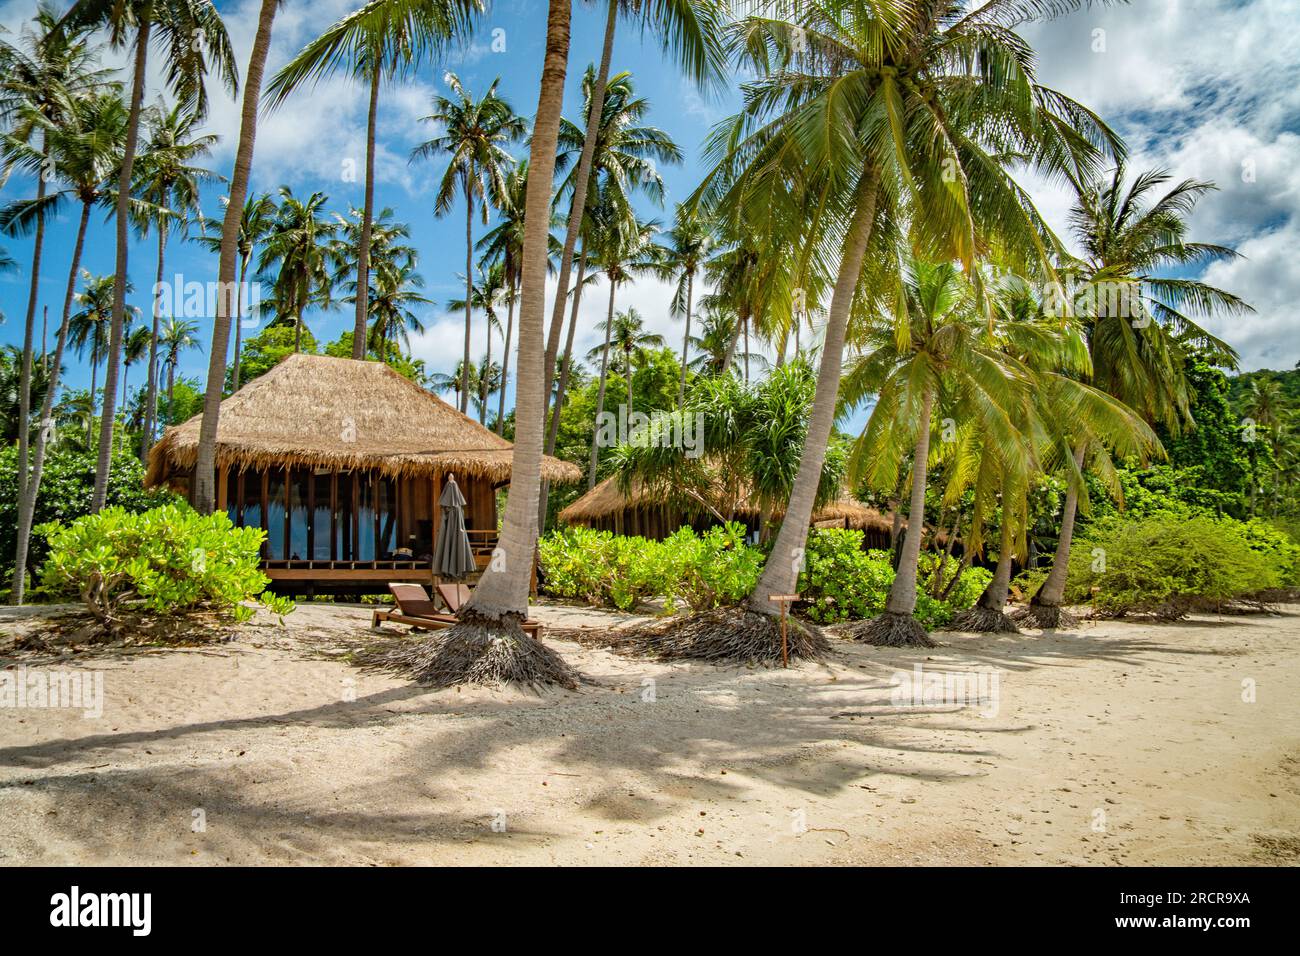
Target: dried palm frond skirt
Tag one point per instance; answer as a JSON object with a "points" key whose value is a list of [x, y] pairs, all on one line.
{"points": [[478, 650], [722, 636]]}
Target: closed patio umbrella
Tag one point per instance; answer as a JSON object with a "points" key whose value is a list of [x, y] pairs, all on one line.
{"points": [[453, 557]]}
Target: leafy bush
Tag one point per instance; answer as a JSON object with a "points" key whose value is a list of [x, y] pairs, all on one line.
{"points": [[600, 568], [715, 569], [1168, 565], [703, 571], [846, 583], [165, 561], [67, 488]]}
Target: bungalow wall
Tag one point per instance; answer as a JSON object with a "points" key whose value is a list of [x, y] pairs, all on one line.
{"points": [[332, 531]]}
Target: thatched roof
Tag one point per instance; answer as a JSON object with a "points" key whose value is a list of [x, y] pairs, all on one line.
{"points": [[322, 412], [606, 499]]}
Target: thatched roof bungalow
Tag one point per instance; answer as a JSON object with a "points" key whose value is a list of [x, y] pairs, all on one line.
{"points": [[649, 513], [342, 463]]}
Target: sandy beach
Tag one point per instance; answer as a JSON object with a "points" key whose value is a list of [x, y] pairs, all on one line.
{"points": [[1114, 743]]}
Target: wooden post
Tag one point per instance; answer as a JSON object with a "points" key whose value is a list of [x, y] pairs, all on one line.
{"points": [[784, 600]]}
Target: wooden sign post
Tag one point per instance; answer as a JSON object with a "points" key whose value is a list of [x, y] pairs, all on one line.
{"points": [[785, 601]]}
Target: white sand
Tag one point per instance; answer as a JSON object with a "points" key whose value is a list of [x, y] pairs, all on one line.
{"points": [[1116, 743]]}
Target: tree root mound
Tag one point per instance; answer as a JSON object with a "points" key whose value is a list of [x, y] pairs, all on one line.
{"points": [[722, 636], [889, 630], [1045, 617], [983, 620], [478, 650]]}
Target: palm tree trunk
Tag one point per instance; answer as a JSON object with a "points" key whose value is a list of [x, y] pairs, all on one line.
{"points": [[238, 319], [483, 381], [204, 473], [151, 393], [746, 348], [29, 333], [367, 213], [121, 274], [505, 360], [171, 382], [627, 370], [902, 593], [469, 293], [686, 339], [578, 204], [503, 588], [563, 385], [782, 569], [94, 386], [995, 595], [27, 505], [1045, 607], [600, 393]]}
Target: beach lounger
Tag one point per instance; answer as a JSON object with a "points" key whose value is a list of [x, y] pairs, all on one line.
{"points": [[414, 607]]}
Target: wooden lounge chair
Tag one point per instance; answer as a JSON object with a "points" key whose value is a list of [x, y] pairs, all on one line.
{"points": [[414, 607], [454, 595]]}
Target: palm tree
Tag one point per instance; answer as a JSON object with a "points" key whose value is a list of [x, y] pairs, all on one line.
{"points": [[716, 345], [623, 250], [687, 245], [300, 247], [86, 150], [1138, 322], [255, 221], [629, 340], [474, 135], [40, 79], [393, 296], [624, 155], [383, 40], [489, 622], [691, 32], [88, 327], [239, 235], [176, 336], [196, 42], [136, 346], [454, 381], [486, 295], [167, 179], [1263, 405], [882, 114]]}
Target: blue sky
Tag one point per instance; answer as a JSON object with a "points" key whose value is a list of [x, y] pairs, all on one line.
{"points": [[1205, 87]]}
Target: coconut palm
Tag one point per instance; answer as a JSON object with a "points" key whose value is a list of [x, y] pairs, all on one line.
{"points": [[624, 159], [716, 344], [175, 337], [383, 40], [254, 225], [474, 136], [488, 645], [168, 180], [195, 39], [299, 247], [135, 346], [238, 237], [487, 295], [41, 77], [89, 328], [1136, 319], [686, 246], [394, 295], [623, 250], [690, 31], [1263, 405], [85, 148], [888, 115]]}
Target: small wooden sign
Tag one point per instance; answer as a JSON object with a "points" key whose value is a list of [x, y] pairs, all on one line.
{"points": [[783, 597]]}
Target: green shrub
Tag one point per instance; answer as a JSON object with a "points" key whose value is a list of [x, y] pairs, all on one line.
{"points": [[1168, 565], [846, 583], [166, 561], [67, 489], [715, 569], [603, 569], [703, 571]]}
